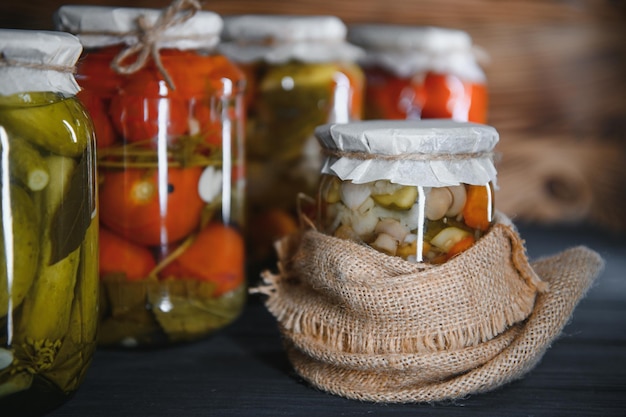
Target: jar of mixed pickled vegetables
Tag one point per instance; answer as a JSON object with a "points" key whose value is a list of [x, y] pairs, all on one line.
{"points": [[301, 73], [48, 224], [421, 190], [168, 114], [421, 72]]}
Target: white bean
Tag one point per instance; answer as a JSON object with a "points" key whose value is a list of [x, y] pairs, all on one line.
{"points": [[459, 196], [438, 202]]}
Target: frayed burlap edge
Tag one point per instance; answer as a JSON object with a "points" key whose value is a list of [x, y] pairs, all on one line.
{"points": [[415, 308], [405, 378], [569, 274]]}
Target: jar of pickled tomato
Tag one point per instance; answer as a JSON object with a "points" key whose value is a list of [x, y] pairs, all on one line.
{"points": [[418, 189], [48, 224], [421, 72], [168, 114], [301, 73]]}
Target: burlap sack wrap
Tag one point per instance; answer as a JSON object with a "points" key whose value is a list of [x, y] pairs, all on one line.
{"points": [[364, 325], [367, 326]]}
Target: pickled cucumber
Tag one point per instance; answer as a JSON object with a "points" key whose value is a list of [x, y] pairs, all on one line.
{"points": [[80, 341], [46, 311], [402, 199], [26, 249], [303, 75], [27, 165], [43, 122]]}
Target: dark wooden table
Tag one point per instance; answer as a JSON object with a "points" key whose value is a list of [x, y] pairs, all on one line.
{"points": [[243, 371]]}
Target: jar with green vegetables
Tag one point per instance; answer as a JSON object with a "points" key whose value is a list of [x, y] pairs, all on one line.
{"points": [[301, 73], [421, 190], [48, 224], [168, 114]]}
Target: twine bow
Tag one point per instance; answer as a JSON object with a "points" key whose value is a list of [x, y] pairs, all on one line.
{"points": [[148, 36]]}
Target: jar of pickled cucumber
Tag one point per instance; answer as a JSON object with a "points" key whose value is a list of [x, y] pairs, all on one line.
{"points": [[421, 190], [168, 114], [48, 224], [421, 72], [301, 73]]}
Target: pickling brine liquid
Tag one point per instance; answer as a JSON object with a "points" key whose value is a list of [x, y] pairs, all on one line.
{"points": [[285, 102], [48, 250], [171, 178], [418, 224]]}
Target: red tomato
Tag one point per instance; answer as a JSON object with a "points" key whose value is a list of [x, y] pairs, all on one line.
{"points": [[217, 256], [105, 134], [207, 122], [135, 206], [117, 255], [449, 97], [140, 119]]}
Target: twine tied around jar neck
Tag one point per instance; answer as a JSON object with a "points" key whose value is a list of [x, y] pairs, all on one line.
{"points": [[148, 36], [6, 62], [363, 156]]}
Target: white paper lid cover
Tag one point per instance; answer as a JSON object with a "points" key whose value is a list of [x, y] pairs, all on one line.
{"points": [[280, 38], [407, 50], [99, 26], [33, 61], [407, 38], [430, 153]]}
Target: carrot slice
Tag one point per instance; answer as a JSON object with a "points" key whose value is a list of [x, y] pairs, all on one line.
{"points": [[460, 246], [477, 207]]}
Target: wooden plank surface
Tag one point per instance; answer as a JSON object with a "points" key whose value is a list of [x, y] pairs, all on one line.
{"points": [[243, 371]]}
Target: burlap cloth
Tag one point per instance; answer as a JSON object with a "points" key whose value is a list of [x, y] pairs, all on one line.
{"points": [[367, 326]]}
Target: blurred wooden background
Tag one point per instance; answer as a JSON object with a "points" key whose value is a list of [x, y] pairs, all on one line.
{"points": [[557, 79]]}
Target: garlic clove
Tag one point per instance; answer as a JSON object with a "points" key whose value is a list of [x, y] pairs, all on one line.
{"points": [[210, 184], [353, 195], [392, 228], [385, 243]]}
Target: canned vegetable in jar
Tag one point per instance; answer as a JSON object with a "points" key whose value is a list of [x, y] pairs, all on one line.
{"points": [[421, 190], [421, 72], [48, 224], [301, 73], [169, 130]]}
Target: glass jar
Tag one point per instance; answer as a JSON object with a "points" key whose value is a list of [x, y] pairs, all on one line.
{"points": [[301, 73], [48, 224], [421, 72], [170, 163], [421, 190]]}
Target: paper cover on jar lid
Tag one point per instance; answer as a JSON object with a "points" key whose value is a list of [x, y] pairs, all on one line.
{"points": [[38, 61], [278, 39], [98, 26], [406, 50], [428, 153]]}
